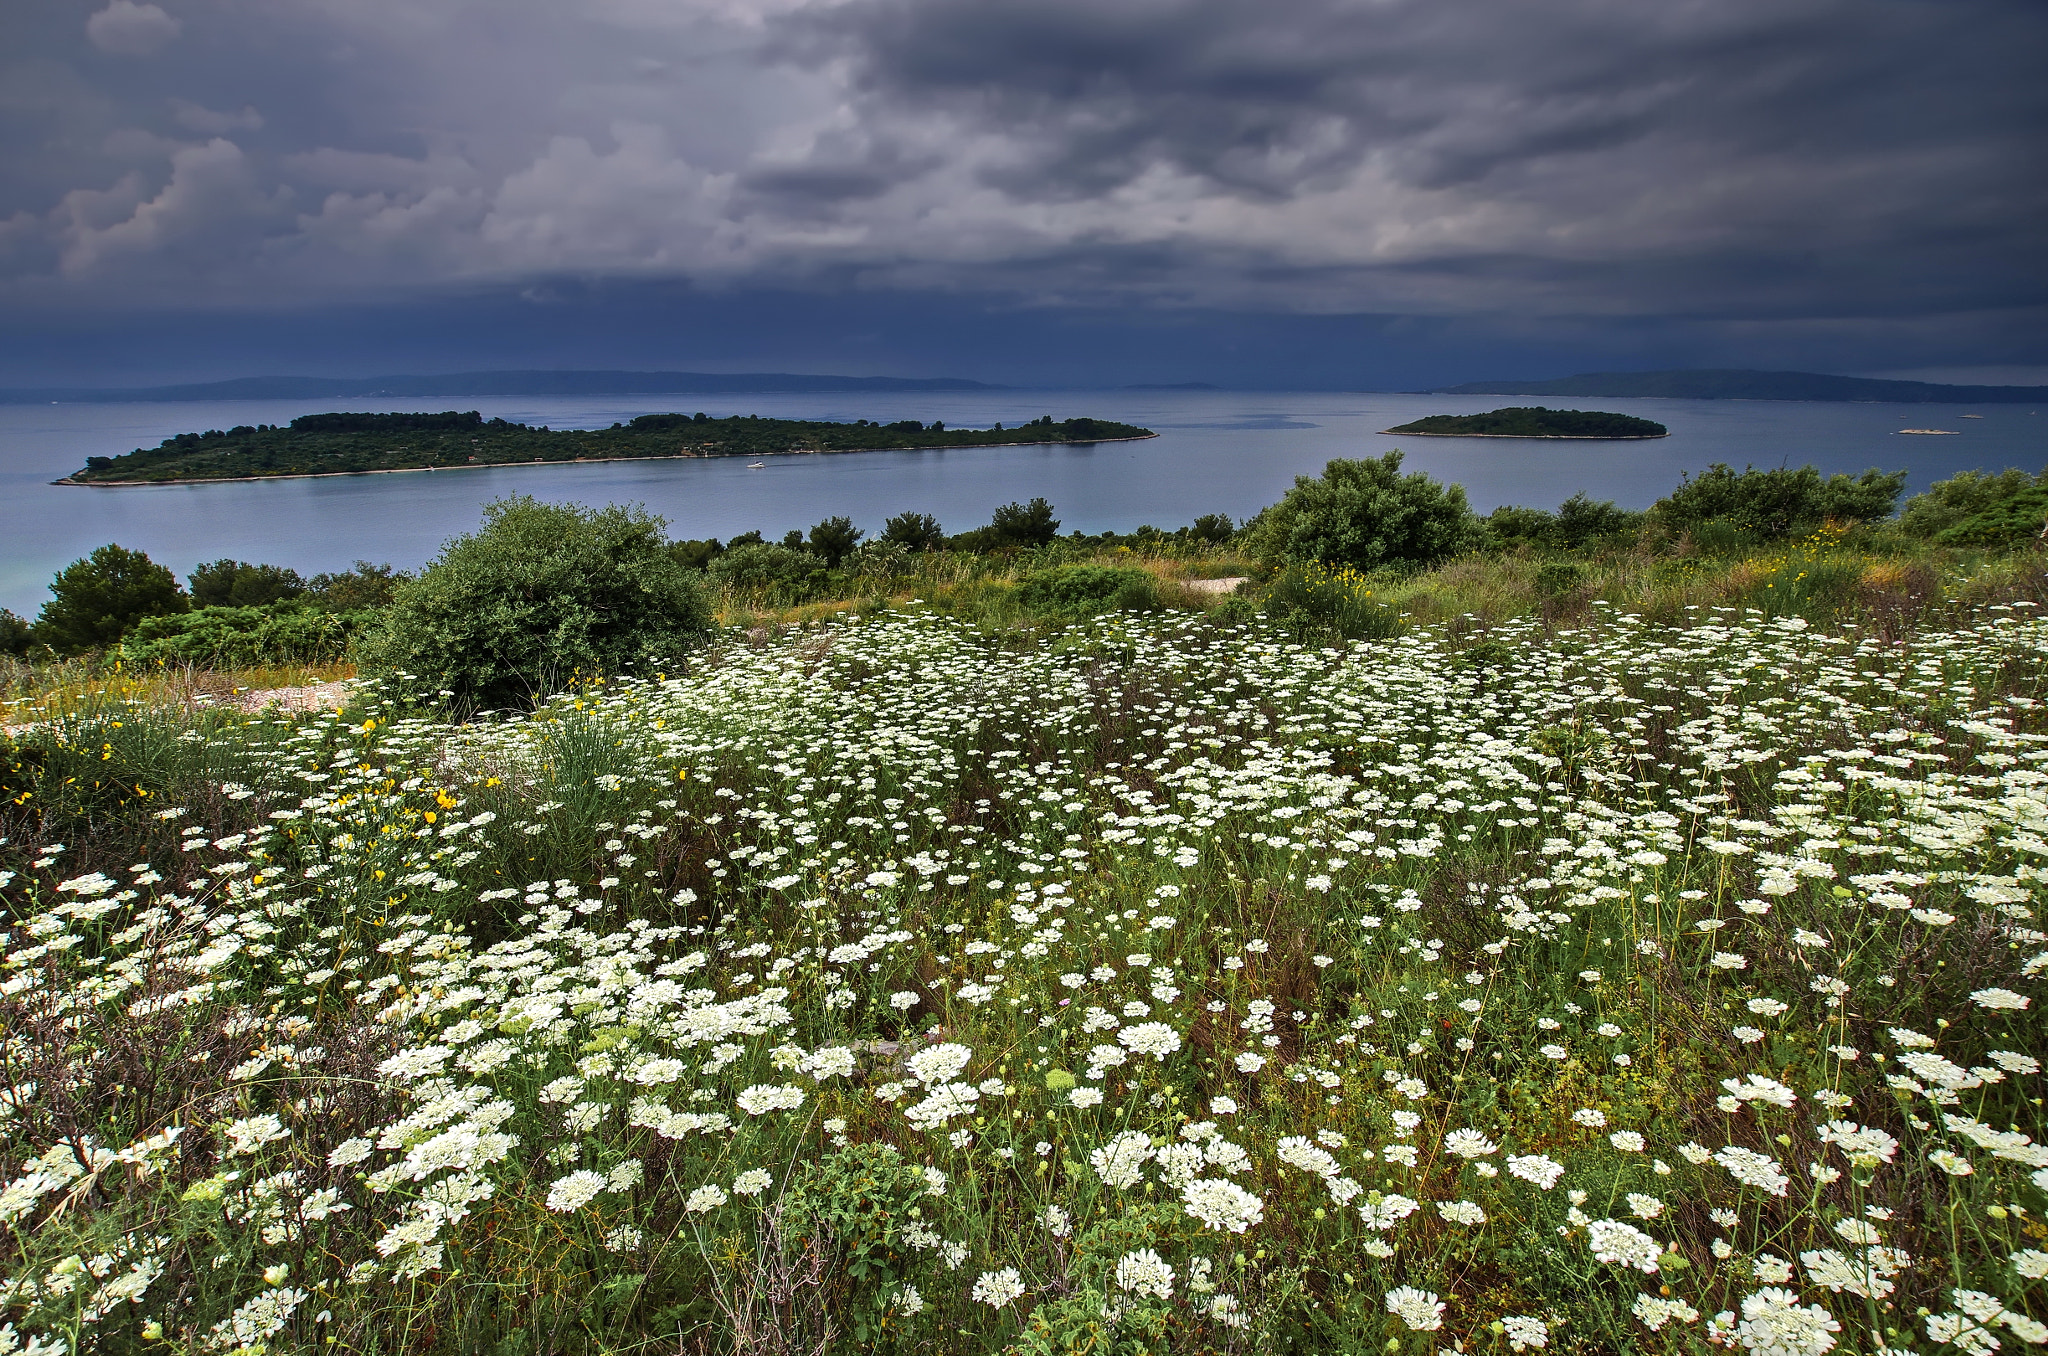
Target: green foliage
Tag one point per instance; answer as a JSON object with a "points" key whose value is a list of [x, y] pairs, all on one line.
{"points": [[1366, 514], [539, 594], [1579, 523], [224, 637], [351, 590], [236, 583], [1536, 422], [1975, 509], [1079, 590], [695, 555], [914, 532], [98, 599], [834, 539], [16, 635], [1781, 502], [1314, 601], [1029, 524], [1215, 528], [764, 568], [326, 444]]}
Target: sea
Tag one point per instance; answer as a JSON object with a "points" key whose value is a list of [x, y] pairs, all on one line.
{"points": [[1230, 452]]}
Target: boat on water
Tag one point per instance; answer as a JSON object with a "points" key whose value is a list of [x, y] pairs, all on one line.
{"points": [[756, 465], [1931, 431], [1969, 416]]}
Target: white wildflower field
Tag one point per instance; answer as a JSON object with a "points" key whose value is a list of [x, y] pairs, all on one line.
{"points": [[1150, 986]]}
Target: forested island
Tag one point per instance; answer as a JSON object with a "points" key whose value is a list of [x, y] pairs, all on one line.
{"points": [[1534, 422], [353, 444]]}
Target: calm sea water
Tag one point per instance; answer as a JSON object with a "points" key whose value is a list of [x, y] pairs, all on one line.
{"points": [[1219, 452]]}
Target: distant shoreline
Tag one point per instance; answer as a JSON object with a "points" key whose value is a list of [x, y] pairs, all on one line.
{"points": [[1536, 437], [574, 461]]}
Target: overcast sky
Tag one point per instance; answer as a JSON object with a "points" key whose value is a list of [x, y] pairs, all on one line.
{"points": [[1353, 192]]}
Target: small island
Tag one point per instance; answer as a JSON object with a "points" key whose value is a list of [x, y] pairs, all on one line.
{"points": [[1535, 422], [366, 444]]}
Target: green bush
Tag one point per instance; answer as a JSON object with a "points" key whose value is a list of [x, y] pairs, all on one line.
{"points": [[236, 583], [1314, 601], [17, 637], [352, 590], [224, 637], [1974, 509], [1578, 523], [1013, 526], [834, 539], [764, 568], [1781, 502], [1081, 590], [914, 532], [97, 600], [1366, 514], [541, 593]]}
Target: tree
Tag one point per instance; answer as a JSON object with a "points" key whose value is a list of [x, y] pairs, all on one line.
{"points": [[1213, 528], [235, 583], [914, 532], [834, 539], [1779, 502], [96, 600], [540, 593], [365, 585], [1029, 524], [16, 636], [1366, 514]]}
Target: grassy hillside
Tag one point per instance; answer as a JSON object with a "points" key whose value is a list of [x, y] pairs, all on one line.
{"points": [[1610, 960]]}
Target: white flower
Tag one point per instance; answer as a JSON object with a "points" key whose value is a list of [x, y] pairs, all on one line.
{"points": [[1536, 1168], [1421, 1310], [1120, 1163], [1999, 1000], [939, 1064], [1248, 1062], [705, 1198], [1084, 1097], [762, 1098], [1623, 1245], [1382, 1213], [1628, 1141], [1461, 1212], [1588, 1116], [1220, 1204], [575, 1191], [1774, 1324], [1753, 1169], [752, 1182], [1655, 1313], [251, 1133], [1469, 1144], [1144, 1272], [1525, 1332], [1156, 1039], [998, 1288]]}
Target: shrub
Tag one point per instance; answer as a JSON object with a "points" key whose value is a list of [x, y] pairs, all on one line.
{"points": [[541, 592], [1779, 503], [1366, 514], [834, 539], [763, 567], [1079, 590], [914, 532], [99, 598], [236, 583], [16, 636], [1029, 524], [224, 637], [1974, 509], [363, 586], [1312, 600], [1215, 528], [1578, 523], [695, 555]]}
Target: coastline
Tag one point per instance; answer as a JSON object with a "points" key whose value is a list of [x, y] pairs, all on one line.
{"points": [[1538, 437], [577, 461]]}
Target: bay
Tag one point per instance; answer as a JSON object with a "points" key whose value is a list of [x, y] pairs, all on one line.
{"points": [[1218, 452]]}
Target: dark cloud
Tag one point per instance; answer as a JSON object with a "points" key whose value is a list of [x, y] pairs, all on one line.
{"points": [[1836, 170]]}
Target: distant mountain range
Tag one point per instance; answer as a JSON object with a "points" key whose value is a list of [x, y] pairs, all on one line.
{"points": [[1739, 384], [524, 383]]}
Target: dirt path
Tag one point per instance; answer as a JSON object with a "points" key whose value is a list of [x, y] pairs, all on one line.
{"points": [[1213, 585]]}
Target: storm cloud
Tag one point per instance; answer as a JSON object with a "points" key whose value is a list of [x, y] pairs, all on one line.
{"points": [[1766, 166]]}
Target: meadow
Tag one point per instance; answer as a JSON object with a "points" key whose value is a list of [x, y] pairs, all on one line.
{"points": [[1168, 981]]}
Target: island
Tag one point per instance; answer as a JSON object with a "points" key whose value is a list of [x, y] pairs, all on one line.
{"points": [[1748, 384], [366, 444], [1535, 422]]}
